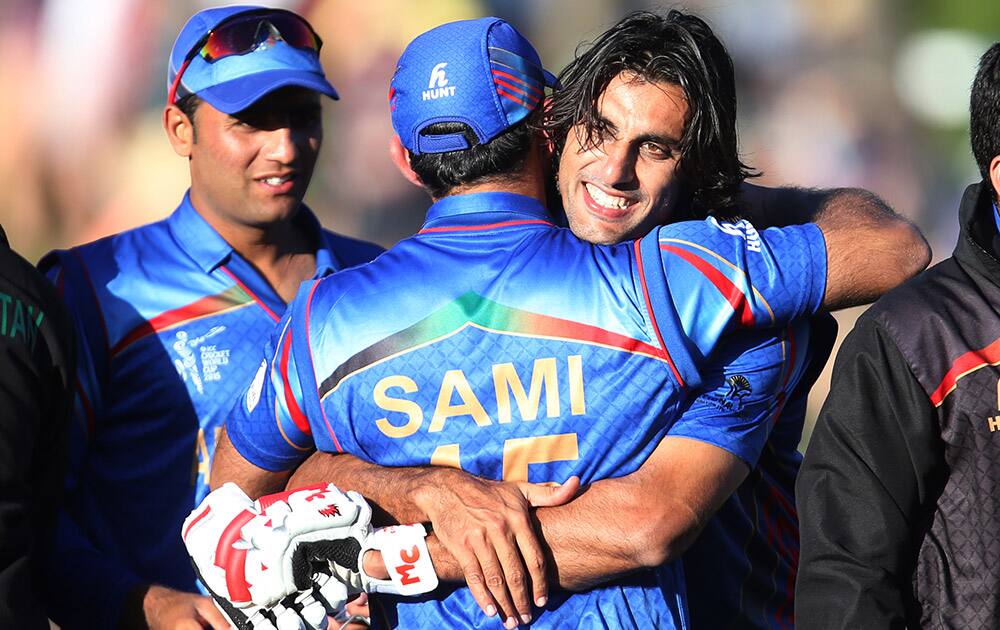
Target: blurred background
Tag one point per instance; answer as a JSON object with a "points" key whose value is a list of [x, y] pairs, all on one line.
{"points": [[868, 93]]}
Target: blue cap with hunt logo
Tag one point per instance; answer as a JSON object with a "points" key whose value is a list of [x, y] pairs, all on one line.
{"points": [[233, 83], [482, 73]]}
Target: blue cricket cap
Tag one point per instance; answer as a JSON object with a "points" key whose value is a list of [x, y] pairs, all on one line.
{"points": [[233, 83], [479, 72]]}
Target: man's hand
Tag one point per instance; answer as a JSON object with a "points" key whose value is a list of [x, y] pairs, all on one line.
{"points": [[489, 529], [167, 609]]}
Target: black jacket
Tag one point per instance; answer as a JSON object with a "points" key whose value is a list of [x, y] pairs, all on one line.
{"points": [[899, 494], [36, 360]]}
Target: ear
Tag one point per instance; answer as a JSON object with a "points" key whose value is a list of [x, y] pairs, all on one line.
{"points": [[995, 175], [401, 158], [180, 130]]}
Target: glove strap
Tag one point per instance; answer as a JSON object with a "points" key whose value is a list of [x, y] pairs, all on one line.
{"points": [[404, 552]]}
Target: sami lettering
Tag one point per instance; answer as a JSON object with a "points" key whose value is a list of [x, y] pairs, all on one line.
{"points": [[456, 397]]}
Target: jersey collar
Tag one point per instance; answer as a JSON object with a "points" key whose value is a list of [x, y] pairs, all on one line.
{"points": [[479, 211], [207, 247]]}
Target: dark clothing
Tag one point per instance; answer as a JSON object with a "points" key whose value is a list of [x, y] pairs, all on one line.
{"points": [[36, 359], [899, 494]]}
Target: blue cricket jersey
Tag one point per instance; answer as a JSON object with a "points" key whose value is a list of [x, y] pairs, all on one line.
{"points": [[171, 322], [740, 572], [498, 343]]}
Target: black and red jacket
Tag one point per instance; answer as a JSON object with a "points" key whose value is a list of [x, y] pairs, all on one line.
{"points": [[899, 494]]}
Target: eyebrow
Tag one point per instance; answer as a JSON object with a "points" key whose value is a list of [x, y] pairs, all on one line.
{"points": [[667, 141]]}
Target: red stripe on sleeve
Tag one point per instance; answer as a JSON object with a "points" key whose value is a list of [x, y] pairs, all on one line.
{"points": [[652, 315], [298, 417], [733, 294], [326, 420]]}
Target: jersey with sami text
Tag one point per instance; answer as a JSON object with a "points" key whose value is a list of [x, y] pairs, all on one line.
{"points": [[171, 322], [498, 343]]}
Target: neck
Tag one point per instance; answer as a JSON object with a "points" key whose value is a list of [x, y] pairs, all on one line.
{"points": [[529, 181], [282, 251]]}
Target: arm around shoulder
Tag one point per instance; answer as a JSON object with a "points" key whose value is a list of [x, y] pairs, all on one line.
{"points": [[870, 248]]}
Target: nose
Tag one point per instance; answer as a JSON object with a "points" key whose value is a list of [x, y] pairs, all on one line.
{"points": [[282, 144], [618, 166]]}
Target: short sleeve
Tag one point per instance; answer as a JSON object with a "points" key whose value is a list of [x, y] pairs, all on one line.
{"points": [[744, 389], [705, 278], [268, 424]]}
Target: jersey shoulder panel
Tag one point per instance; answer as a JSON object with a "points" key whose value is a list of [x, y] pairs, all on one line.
{"points": [[351, 251], [141, 276]]}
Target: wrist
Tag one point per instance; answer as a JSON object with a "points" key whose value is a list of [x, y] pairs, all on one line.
{"points": [[374, 566], [428, 490]]}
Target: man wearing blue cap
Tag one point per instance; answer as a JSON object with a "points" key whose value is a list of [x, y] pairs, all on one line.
{"points": [[172, 315], [506, 299]]}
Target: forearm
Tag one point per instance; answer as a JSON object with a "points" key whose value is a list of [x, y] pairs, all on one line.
{"points": [[228, 465], [612, 549], [394, 493], [870, 248], [638, 521]]}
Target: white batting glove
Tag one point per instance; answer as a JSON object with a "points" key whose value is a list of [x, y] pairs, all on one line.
{"points": [[293, 556]]}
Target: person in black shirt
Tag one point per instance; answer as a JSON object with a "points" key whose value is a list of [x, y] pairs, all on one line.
{"points": [[36, 345], [899, 493]]}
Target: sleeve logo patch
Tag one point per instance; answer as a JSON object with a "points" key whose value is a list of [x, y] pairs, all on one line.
{"points": [[743, 229], [253, 394]]}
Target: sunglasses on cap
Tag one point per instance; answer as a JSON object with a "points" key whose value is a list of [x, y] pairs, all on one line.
{"points": [[246, 32]]}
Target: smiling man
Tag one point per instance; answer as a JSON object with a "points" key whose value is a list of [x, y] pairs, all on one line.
{"points": [[629, 186], [172, 315]]}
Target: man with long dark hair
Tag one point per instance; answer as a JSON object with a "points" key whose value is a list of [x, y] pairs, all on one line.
{"points": [[645, 133]]}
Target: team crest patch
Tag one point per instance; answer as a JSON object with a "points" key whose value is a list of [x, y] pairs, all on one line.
{"points": [[730, 397]]}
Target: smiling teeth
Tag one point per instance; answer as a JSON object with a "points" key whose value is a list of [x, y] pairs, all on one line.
{"points": [[606, 200], [275, 181]]}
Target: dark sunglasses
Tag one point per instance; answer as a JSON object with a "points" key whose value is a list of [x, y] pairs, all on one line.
{"points": [[246, 32]]}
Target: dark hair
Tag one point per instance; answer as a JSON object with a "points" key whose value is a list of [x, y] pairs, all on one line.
{"points": [[502, 156], [679, 49], [984, 108], [188, 104]]}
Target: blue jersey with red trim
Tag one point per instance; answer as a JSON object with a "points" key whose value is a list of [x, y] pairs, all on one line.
{"points": [[740, 572], [171, 323], [498, 343]]}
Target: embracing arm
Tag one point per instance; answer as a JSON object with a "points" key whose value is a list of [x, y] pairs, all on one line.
{"points": [[870, 248], [641, 520], [228, 465]]}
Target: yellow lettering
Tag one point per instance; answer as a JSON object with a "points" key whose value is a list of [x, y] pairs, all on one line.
{"points": [[202, 457], [412, 410], [455, 381], [994, 423], [447, 455], [518, 453], [507, 382], [577, 394]]}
